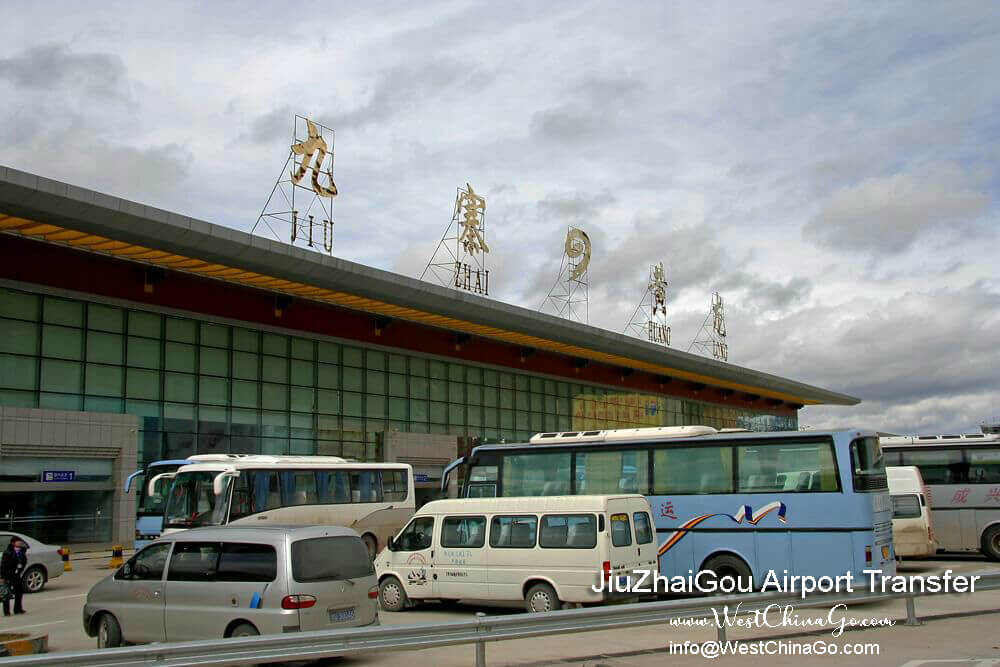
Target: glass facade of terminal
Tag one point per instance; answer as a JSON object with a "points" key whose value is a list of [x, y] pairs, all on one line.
{"points": [[204, 387]]}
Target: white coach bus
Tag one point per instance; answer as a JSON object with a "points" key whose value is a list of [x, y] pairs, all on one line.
{"points": [[375, 499], [962, 473]]}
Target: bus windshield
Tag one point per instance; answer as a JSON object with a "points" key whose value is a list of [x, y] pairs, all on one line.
{"points": [[152, 504], [193, 502]]}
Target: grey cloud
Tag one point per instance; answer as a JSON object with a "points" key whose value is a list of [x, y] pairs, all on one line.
{"points": [[608, 91], [575, 206], [55, 68], [149, 174], [900, 350], [598, 104], [767, 295], [569, 124], [271, 125], [398, 89], [952, 413], [887, 215]]}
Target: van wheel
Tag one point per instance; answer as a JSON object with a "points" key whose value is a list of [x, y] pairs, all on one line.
{"points": [[728, 565], [391, 595], [34, 579], [244, 630], [370, 545], [991, 543], [540, 598], [109, 633]]}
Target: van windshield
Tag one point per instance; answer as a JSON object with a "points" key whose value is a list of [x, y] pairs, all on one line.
{"points": [[330, 559]]}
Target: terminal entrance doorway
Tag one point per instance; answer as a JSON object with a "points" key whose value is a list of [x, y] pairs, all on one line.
{"points": [[58, 517]]}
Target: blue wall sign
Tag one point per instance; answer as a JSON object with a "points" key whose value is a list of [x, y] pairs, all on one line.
{"points": [[419, 477], [58, 475]]}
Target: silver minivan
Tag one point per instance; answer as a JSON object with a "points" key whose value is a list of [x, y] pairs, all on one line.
{"points": [[235, 582]]}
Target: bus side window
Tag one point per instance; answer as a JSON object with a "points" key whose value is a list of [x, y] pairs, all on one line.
{"points": [[298, 487], [942, 466], [394, 485], [366, 486], [984, 466], [334, 487]]}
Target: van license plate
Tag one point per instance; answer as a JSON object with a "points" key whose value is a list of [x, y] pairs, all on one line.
{"points": [[340, 615]]}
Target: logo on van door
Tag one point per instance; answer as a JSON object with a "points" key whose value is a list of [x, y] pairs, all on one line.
{"points": [[418, 575]]}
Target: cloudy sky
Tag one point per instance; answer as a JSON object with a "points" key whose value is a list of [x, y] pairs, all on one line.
{"points": [[830, 168]]}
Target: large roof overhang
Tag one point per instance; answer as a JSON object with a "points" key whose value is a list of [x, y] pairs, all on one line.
{"points": [[55, 212]]}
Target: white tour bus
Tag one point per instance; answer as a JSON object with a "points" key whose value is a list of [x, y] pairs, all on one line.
{"points": [[375, 499], [912, 529], [545, 551], [962, 474]]}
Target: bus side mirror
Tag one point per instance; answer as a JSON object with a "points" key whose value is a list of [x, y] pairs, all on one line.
{"points": [[157, 478], [218, 484]]}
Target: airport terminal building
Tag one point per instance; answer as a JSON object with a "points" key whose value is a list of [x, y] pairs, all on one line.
{"points": [[130, 334]]}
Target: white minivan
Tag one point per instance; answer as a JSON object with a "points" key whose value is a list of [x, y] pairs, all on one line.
{"points": [[912, 530], [545, 550]]}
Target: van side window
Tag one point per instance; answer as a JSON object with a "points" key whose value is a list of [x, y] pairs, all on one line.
{"points": [[193, 561], [463, 531], [568, 531], [513, 532], [643, 531], [621, 532], [417, 535], [247, 562]]}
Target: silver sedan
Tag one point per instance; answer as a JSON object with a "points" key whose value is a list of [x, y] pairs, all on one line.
{"points": [[44, 561]]}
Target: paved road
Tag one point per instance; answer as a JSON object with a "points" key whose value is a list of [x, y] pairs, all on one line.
{"points": [[57, 610]]}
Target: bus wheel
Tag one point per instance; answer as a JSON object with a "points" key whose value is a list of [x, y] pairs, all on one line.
{"points": [[991, 542], [371, 545], [728, 565], [391, 595]]}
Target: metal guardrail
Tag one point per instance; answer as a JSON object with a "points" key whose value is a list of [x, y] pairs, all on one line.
{"points": [[329, 643]]}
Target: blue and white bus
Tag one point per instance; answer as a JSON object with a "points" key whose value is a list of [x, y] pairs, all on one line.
{"points": [[737, 503], [149, 511]]}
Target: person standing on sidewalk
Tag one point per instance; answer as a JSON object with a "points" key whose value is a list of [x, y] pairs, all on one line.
{"points": [[12, 566]]}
